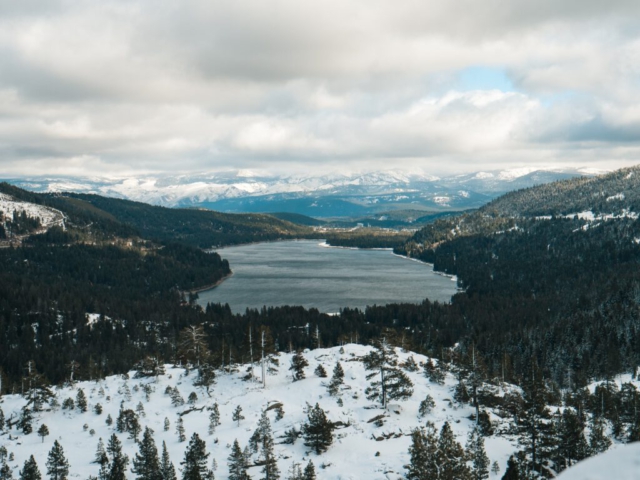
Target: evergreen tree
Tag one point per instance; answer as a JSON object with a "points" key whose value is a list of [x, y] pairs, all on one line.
{"points": [[309, 472], [214, 418], [167, 424], [43, 431], [423, 454], [167, 470], [336, 380], [532, 421], [26, 420], [268, 353], [237, 463], [513, 470], [81, 401], [146, 464], [426, 406], [478, 455], [320, 371], [101, 457], [598, 440], [57, 465], [298, 362], [5, 471], [451, 456], [318, 431], [206, 377], [30, 470], [195, 461], [393, 383], [193, 345], [571, 443], [117, 468], [237, 415], [263, 430], [180, 430], [270, 469]]}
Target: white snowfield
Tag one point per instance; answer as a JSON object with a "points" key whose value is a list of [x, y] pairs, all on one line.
{"points": [[49, 217], [622, 462], [355, 453]]}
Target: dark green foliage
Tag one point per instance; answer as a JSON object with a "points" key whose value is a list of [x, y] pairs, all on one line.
{"points": [[117, 467], [194, 465], [57, 465], [5, 471], [320, 371], [336, 380], [167, 469], [298, 362], [146, 464], [237, 463], [180, 430], [263, 430], [81, 401], [26, 420], [309, 471], [388, 382], [237, 415], [101, 457], [43, 431], [513, 471], [478, 455], [426, 406], [30, 470], [318, 431]]}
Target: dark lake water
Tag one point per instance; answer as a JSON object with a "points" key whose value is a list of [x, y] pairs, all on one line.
{"points": [[304, 272]]}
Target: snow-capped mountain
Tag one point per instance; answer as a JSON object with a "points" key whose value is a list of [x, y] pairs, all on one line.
{"points": [[335, 194]]}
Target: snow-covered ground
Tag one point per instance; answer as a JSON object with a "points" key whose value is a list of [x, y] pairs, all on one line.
{"points": [[358, 451], [621, 462], [48, 216]]}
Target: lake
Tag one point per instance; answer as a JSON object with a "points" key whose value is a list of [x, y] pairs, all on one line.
{"points": [[303, 272]]}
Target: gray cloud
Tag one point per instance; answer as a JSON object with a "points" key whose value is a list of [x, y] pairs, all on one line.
{"points": [[139, 85]]}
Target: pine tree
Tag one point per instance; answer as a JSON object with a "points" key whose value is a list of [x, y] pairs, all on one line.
{"points": [[180, 430], [478, 455], [81, 401], [423, 454], [531, 420], [268, 354], [206, 377], [146, 464], [309, 472], [214, 418], [167, 470], [598, 440], [393, 383], [167, 424], [451, 456], [195, 460], [270, 468], [318, 431], [237, 463], [43, 431], [57, 465], [571, 443], [336, 380], [26, 420], [5, 471], [263, 429], [495, 468], [298, 362], [193, 345], [117, 468], [30, 470], [426, 406], [101, 457], [513, 470], [320, 371], [237, 415]]}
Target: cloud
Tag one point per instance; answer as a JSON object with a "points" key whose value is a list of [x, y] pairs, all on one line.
{"points": [[167, 86]]}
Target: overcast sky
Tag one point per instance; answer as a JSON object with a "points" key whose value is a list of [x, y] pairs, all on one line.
{"points": [[112, 87]]}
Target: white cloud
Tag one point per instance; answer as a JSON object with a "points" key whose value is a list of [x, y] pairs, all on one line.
{"points": [[161, 85]]}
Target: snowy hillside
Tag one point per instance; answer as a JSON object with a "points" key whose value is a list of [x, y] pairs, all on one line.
{"points": [[48, 216], [620, 463], [360, 448]]}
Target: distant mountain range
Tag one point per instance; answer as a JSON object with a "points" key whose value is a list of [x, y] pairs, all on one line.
{"points": [[320, 196]]}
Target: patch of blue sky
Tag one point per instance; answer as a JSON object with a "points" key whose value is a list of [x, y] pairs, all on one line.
{"points": [[484, 78]]}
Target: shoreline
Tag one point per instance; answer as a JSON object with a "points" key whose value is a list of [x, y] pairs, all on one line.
{"points": [[209, 287]]}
